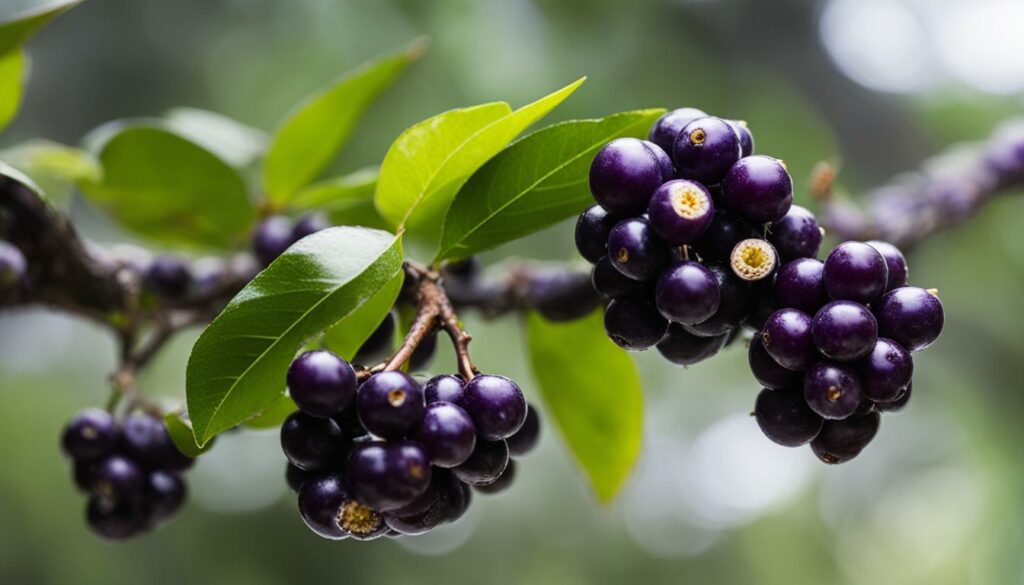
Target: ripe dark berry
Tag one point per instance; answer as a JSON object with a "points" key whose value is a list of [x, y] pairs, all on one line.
{"points": [[844, 331], [842, 440], [526, 438], [271, 238], [485, 465], [612, 284], [592, 229], [83, 473], [886, 371], [443, 388], [146, 440], [562, 296], [502, 483], [309, 224], [766, 370], [348, 421], [91, 434], [896, 405], [115, 521], [787, 338], [378, 345], [12, 265], [321, 383], [753, 259], [446, 433], [670, 124], [624, 174], [832, 390], [168, 276], [424, 353], [165, 493], [799, 285], [687, 292], [910, 316], [680, 211], [764, 306], [736, 301], [634, 324], [895, 261], [758, 188], [797, 234], [686, 349], [390, 404], [496, 405], [664, 160], [746, 137], [118, 478], [706, 149], [320, 501], [725, 231], [635, 250], [312, 443], [854, 271], [785, 418], [295, 476], [454, 496], [387, 476]]}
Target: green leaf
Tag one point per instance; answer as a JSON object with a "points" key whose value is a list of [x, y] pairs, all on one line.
{"points": [[20, 19], [169, 189], [12, 84], [238, 365], [426, 165], [55, 167], [310, 136], [180, 428], [348, 335], [239, 145], [274, 415], [9, 171], [348, 199], [592, 390], [534, 183]]}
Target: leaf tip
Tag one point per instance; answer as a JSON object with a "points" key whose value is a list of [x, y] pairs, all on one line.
{"points": [[417, 47]]}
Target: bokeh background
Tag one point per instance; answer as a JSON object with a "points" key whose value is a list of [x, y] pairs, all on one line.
{"points": [[875, 85]]}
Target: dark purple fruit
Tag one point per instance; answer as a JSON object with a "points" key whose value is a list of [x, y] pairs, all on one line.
{"points": [[854, 271], [725, 231], [785, 418], [612, 284], [146, 440], [687, 292], [390, 404], [787, 338], [669, 125], [446, 433], [454, 496], [526, 438], [115, 521], [635, 250], [910, 316], [592, 229], [842, 440], [272, 237], [832, 390], [624, 174], [444, 388], [766, 370], [90, 435], [387, 476], [844, 331], [563, 296], [496, 405], [634, 324], [799, 285], [706, 149], [895, 261], [485, 465], [321, 383], [886, 371], [118, 478], [168, 276], [295, 476], [165, 494], [501, 484], [12, 265], [309, 224], [312, 443], [797, 234], [686, 349], [736, 301], [320, 501], [896, 405], [758, 188], [746, 137], [680, 211]]}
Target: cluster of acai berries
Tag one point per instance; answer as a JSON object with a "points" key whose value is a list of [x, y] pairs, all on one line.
{"points": [[131, 470], [836, 353], [389, 456]]}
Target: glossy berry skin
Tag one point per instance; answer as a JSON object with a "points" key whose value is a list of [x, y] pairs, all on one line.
{"points": [[390, 404], [664, 160], [766, 370], [725, 231], [785, 418], [454, 497], [378, 344], [687, 292], [312, 443], [321, 383], [736, 301], [746, 137], [686, 349], [295, 477], [612, 284], [854, 271], [272, 237], [446, 433], [886, 371], [764, 306], [624, 174], [309, 224], [797, 234], [90, 435], [669, 125], [115, 521], [844, 331], [706, 149], [12, 265], [562, 296], [444, 388], [485, 465], [118, 478], [592, 229], [320, 500], [501, 484], [832, 390], [165, 494], [910, 316], [146, 440], [759, 189], [168, 276], [842, 440], [496, 405], [528, 435], [787, 338], [635, 250], [680, 211], [634, 324], [799, 285], [896, 405], [387, 476]]}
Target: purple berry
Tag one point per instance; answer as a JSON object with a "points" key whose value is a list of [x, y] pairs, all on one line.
{"points": [[454, 496], [443, 388], [799, 285], [309, 224], [758, 188], [312, 443], [502, 483], [321, 383], [687, 292], [90, 435], [118, 478], [612, 284], [832, 390], [12, 265], [635, 250], [115, 521], [686, 349], [854, 271], [746, 137], [796, 234], [680, 211], [844, 331], [785, 418], [526, 438], [668, 172], [485, 465], [165, 494], [670, 124], [327, 508], [634, 323], [624, 174], [146, 440], [896, 405], [272, 237], [886, 371], [787, 338], [736, 300], [446, 433], [168, 276], [706, 149], [895, 261], [295, 476], [764, 306], [390, 404], [387, 476], [766, 370], [910, 316], [842, 440], [562, 296], [496, 405], [725, 231], [592, 229]]}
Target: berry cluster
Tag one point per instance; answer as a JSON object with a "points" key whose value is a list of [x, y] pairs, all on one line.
{"points": [[276, 233], [13, 266], [836, 352], [676, 237], [131, 470], [391, 456]]}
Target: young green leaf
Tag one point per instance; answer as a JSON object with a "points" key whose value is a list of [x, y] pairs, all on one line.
{"points": [[20, 19], [239, 145], [274, 414], [537, 181], [347, 336], [12, 84], [427, 164], [55, 167], [169, 189], [237, 367], [347, 200], [310, 136], [180, 428], [592, 390]]}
